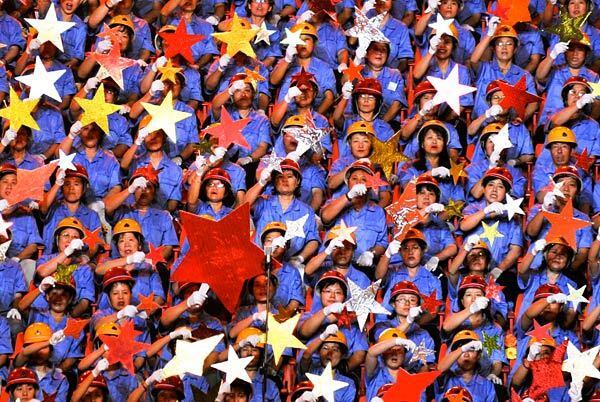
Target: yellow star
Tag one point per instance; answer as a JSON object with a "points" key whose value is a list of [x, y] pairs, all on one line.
{"points": [[454, 208], [169, 71], [595, 88], [19, 112], [569, 28], [238, 37], [457, 170], [386, 154], [97, 110], [344, 232], [281, 336], [490, 232], [190, 356], [164, 116]]}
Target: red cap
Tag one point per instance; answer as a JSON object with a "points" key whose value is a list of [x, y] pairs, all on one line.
{"points": [[21, 375], [335, 275], [80, 172], [169, 384], [7, 168], [501, 173], [492, 87], [365, 166], [116, 274], [546, 290], [291, 164], [567, 171], [424, 87], [369, 86], [98, 382], [471, 282], [148, 172], [217, 174], [404, 287], [427, 179]]}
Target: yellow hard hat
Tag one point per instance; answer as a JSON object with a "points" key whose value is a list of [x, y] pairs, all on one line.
{"points": [[122, 20], [391, 333], [295, 121], [249, 331], [37, 332], [108, 328], [306, 29], [338, 337], [463, 337], [363, 127], [506, 31], [561, 134], [127, 225], [70, 222]]}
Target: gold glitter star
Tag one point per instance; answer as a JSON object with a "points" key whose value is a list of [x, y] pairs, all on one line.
{"points": [[169, 71], [454, 208], [569, 29], [386, 154], [19, 112], [97, 110], [457, 170]]}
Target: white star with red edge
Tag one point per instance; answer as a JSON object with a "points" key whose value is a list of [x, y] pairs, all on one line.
{"points": [[449, 90]]}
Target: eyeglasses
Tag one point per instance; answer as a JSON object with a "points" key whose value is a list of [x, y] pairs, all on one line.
{"points": [[476, 255], [505, 44], [578, 93], [498, 97], [215, 184], [68, 236], [405, 300], [366, 97]]}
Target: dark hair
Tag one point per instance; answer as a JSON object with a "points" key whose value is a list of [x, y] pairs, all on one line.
{"points": [[297, 191], [420, 162]]}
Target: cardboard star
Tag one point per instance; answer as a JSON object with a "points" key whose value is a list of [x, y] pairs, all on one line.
{"points": [[513, 206], [253, 76], [124, 346], [169, 71], [595, 88], [404, 212], [97, 110], [363, 303], [155, 256], [303, 77], [264, 34], [75, 327], [501, 10], [272, 161], [367, 30], [18, 112], [512, 12], [493, 290], [517, 97], [3, 249], [325, 6], [547, 373], [431, 303], [490, 233], [30, 184], [386, 154], [165, 117], [50, 28], [454, 208], [190, 356], [457, 170], [228, 131], [540, 332], [234, 367], [575, 296], [180, 42], [353, 71], [93, 238], [149, 172], [581, 365], [490, 343], [112, 65], [564, 224], [281, 335], [238, 38], [296, 228], [147, 303], [583, 160], [65, 162], [221, 253], [449, 90], [442, 26], [344, 232], [324, 385], [501, 141], [111, 34], [421, 353], [409, 387], [42, 82], [375, 181], [569, 29], [345, 318], [292, 38], [308, 137]]}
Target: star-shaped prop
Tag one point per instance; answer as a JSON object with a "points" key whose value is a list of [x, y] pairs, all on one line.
{"points": [[228, 131], [457, 170], [180, 42], [234, 367], [124, 346], [272, 161], [362, 302], [50, 28], [583, 160], [65, 162], [409, 387], [147, 303], [42, 82], [4, 249], [386, 154], [155, 256], [595, 88], [421, 353], [404, 212], [353, 71], [169, 71], [540, 332], [64, 273], [517, 97], [449, 90], [441, 26], [345, 318], [30, 184], [112, 34], [375, 181], [281, 335], [581, 365], [513, 206], [292, 38], [264, 34], [569, 29], [296, 228], [18, 113], [253, 76], [493, 290], [431, 303], [324, 385], [344, 232], [238, 37], [367, 30], [308, 137], [501, 141], [97, 110], [575, 296], [284, 314], [512, 12], [75, 327], [165, 117], [547, 373], [93, 238], [454, 208], [112, 65], [564, 224], [490, 343], [190, 356], [490, 232]]}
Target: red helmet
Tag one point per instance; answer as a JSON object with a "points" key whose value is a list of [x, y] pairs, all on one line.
{"points": [[576, 79], [383, 389], [7, 168], [299, 389], [169, 384], [568, 171], [457, 392], [471, 282], [292, 165], [79, 171], [428, 180], [332, 276], [223, 176], [492, 87], [365, 166], [545, 290], [404, 287], [98, 382], [369, 86], [417, 235], [424, 87], [116, 274], [21, 375], [501, 173]]}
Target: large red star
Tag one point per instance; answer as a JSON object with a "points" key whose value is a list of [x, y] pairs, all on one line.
{"points": [[517, 97], [221, 253], [345, 318], [122, 348], [409, 387], [540, 332], [303, 77], [147, 303], [564, 225], [156, 254], [75, 327], [326, 6], [404, 212], [228, 131], [583, 160], [30, 184], [180, 42], [431, 303], [50, 397], [112, 65], [547, 373], [93, 239], [493, 290], [374, 181]]}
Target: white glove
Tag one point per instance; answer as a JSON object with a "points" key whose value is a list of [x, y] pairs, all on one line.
{"points": [[558, 49], [138, 182], [46, 284], [538, 246], [212, 20], [473, 346], [534, 351], [434, 42], [333, 244], [307, 396], [368, 6], [359, 54], [376, 399], [357, 190], [75, 129], [333, 308], [265, 176], [183, 333], [392, 248], [432, 5], [292, 92], [100, 367], [366, 259], [4, 204], [224, 389], [479, 304], [91, 84], [560, 298], [104, 46], [243, 161], [347, 89], [279, 242], [13, 314], [60, 177], [33, 45], [112, 3], [159, 63], [305, 16], [252, 340], [493, 111], [493, 23], [219, 153], [494, 379], [413, 313], [549, 201], [97, 206], [136, 258], [575, 389], [9, 135], [156, 88], [224, 61], [598, 236], [198, 298], [128, 311], [440, 172], [427, 106], [76, 244], [157, 376], [142, 134], [260, 316], [290, 52], [434, 208], [494, 208], [57, 337], [297, 262], [141, 63], [331, 329], [495, 273], [236, 85], [553, 2], [406, 343], [342, 67], [584, 100], [432, 263]]}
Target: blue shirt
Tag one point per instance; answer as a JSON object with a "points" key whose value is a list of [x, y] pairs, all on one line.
{"points": [[192, 90], [382, 129], [401, 7], [3, 81], [398, 34], [371, 228], [480, 388], [11, 33], [169, 178], [157, 225], [322, 72], [272, 394], [530, 44], [29, 161], [59, 211], [24, 232], [54, 381], [331, 42], [68, 348], [83, 277], [289, 287], [103, 170], [437, 234], [52, 129], [5, 345], [462, 53], [204, 208], [121, 383], [545, 167], [12, 282], [73, 39], [424, 280]]}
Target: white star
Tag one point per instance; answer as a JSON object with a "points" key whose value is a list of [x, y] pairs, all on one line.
{"points": [[575, 296], [501, 140], [295, 228], [557, 187], [308, 138], [442, 26], [234, 367], [3, 249], [189, 356], [165, 117], [344, 233], [41, 82], [273, 161], [581, 365], [367, 30], [50, 28], [65, 162], [324, 384], [264, 34], [421, 353], [362, 302], [292, 38], [449, 90], [4, 226], [513, 206]]}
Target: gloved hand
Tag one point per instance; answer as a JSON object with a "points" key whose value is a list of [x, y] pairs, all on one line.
{"points": [[406, 343], [512, 162], [252, 340], [198, 298], [333, 244], [495, 208], [138, 182], [413, 313], [290, 52], [427, 106], [156, 88], [333, 308], [359, 54], [33, 45], [392, 248], [493, 111], [434, 208], [9, 135], [57, 337], [366, 259], [60, 177], [495, 273], [584, 100], [279, 242], [432, 5], [136, 258], [141, 63], [101, 366], [440, 172], [160, 62], [260, 316], [212, 20], [292, 92], [376, 399], [305, 16], [473, 346], [538, 246], [104, 46], [560, 298], [549, 201], [128, 311], [13, 314], [307, 396], [244, 160], [75, 129], [76, 244], [157, 376], [236, 85], [494, 379], [434, 42], [4, 204], [342, 67], [331, 329], [46, 284], [297, 262], [183, 333], [15, 258], [432, 263], [265, 176], [553, 2], [368, 6], [357, 190], [90, 84], [112, 3], [598, 236], [347, 89], [219, 153], [200, 165], [294, 156], [97, 206], [142, 134], [479, 304], [493, 23], [534, 351], [224, 61], [558, 49], [575, 389]]}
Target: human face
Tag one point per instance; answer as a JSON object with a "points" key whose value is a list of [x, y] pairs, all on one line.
{"points": [[124, 7], [21, 141], [504, 49], [576, 8], [66, 236], [366, 103], [277, 252], [497, 97], [122, 33], [236, 395], [404, 302], [557, 257], [93, 394], [127, 244], [260, 8], [575, 55], [90, 135], [286, 183], [58, 299], [494, 191], [155, 141], [333, 293], [449, 8], [561, 153], [394, 357], [383, 6], [69, 6], [259, 289], [467, 361], [305, 51], [425, 197], [215, 190], [248, 351], [119, 296], [167, 396], [331, 352], [174, 87], [357, 177], [188, 5], [360, 145], [377, 55], [575, 93], [342, 256], [306, 98], [477, 260], [7, 183], [24, 392], [569, 187], [445, 48], [242, 99], [412, 253], [470, 296], [145, 197], [433, 142], [73, 189]]}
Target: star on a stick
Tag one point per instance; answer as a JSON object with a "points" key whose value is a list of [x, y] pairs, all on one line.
{"points": [[272, 161], [42, 82], [547, 373], [363, 303], [147, 303], [65, 162], [229, 131], [344, 232], [540, 332], [3, 249], [264, 34], [324, 385], [449, 90], [374, 181], [345, 318], [575, 296], [238, 38], [386, 154], [367, 30], [30, 183], [564, 224], [18, 112], [50, 28], [409, 387], [234, 367], [404, 212], [583, 160], [190, 356], [513, 206], [490, 232], [595, 88], [501, 140], [296, 228], [517, 97], [180, 42], [421, 353], [441, 25], [97, 110], [165, 117], [281, 335], [123, 347], [292, 38]]}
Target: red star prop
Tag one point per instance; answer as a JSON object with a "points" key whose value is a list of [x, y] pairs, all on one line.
{"points": [[375, 181], [540, 332], [431, 303], [303, 77], [75, 327], [547, 373], [221, 253], [462, 396], [564, 225], [93, 239], [50, 397], [147, 303], [501, 10], [109, 33], [30, 183], [514, 397], [512, 12], [583, 160], [492, 290], [123, 347], [409, 387], [404, 212], [156, 255], [149, 172], [180, 42], [345, 318], [517, 97], [228, 131], [113, 64], [353, 72]]}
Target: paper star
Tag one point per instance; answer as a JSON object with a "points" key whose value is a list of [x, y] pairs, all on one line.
{"points": [[540, 332], [512, 12], [517, 97], [375, 181], [238, 38], [363, 303], [575, 296], [169, 71], [272, 161], [18, 112], [112, 65], [367, 30], [583, 160], [324, 385], [581, 365], [308, 136], [345, 318], [457, 170], [303, 77], [112, 34], [353, 71], [513, 206], [564, 224], [490, 232], [501, 140], [421, 353], [454, 208], [155, 256], [229, 131], [409, 387], [30, 184], [404, 212], [165, 117], [264, 34], [442, 26], [449, 90], [75, 327], [180, 42], [3, 249], [190, 356], [50, 28], [554, 188], [97, 110], [490, 343], [147, 303], [65, 162], [295, 228], [281, 335], [93, 238], [431, 303], [292, 38], [386, 154], [42, 82], [595, 88], [253, 76], [547, 373], [122, 348], [234, 367], [569, 29], [493, 290], [344, 232]]}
